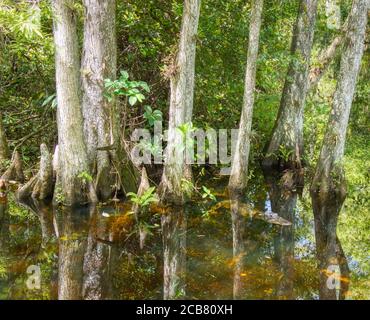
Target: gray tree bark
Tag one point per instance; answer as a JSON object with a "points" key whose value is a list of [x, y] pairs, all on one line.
{"points": [[101, 117], [328, 189], [239, 172], [181, 104], [15, 170], [73, 158], [40, 186], [99, 62], [43, 189], [288, 129]]}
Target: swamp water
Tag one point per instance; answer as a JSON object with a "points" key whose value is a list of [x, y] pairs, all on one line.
{"points": [[211, 248]]}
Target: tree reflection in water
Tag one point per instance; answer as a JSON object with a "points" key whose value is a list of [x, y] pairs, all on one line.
{"points": [[174, 253], [191, 256], [334, 273], [4, 223], [85, 253], [238, 230], [73, 226], [283, 201]]}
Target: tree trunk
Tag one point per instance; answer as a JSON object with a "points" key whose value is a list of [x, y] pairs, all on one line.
{"points": [[72, 149], [181, 104], [41, 186], [4, 150], [15, 170], [328, 189], [101, 117], [287, 136], [239, 171], [43, 189]]}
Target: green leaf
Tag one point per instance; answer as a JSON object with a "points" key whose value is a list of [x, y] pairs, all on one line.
{"points": [[148, 109], [48, 100], [140, 97], [124, 74], [132, 100], [145, 86]]}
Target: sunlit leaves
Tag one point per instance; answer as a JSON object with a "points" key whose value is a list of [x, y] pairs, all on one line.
{"points": [[145, 199], [207, 194], [22, 20], [50, 100], [85, 177], [133, 90]]}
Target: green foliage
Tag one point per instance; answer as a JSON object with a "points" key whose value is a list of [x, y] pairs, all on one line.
{"points": [[58, 195], [285, 153], [85, 177], [147, 33], [152, 115], [26, 72], [207, 194], [22, 20], [154, 148], [187, 186], [124, 87], [145, 199], [50, 100], [3, 271], [186, 130]]}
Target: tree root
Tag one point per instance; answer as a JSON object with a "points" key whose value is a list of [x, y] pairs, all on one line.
{"points": [[15, 170], [41, 186]]}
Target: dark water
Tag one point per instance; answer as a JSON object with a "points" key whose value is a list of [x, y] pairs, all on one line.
{"points": [[208, 249]]}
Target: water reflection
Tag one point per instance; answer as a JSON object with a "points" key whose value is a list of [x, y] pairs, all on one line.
{"points": [[238, 230], [73, 226], [100, 254], [284, 202], [85, 254], [254, 227], [334, 273], [44, 212], [174, 253], [4, 223], [238, 250]]}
